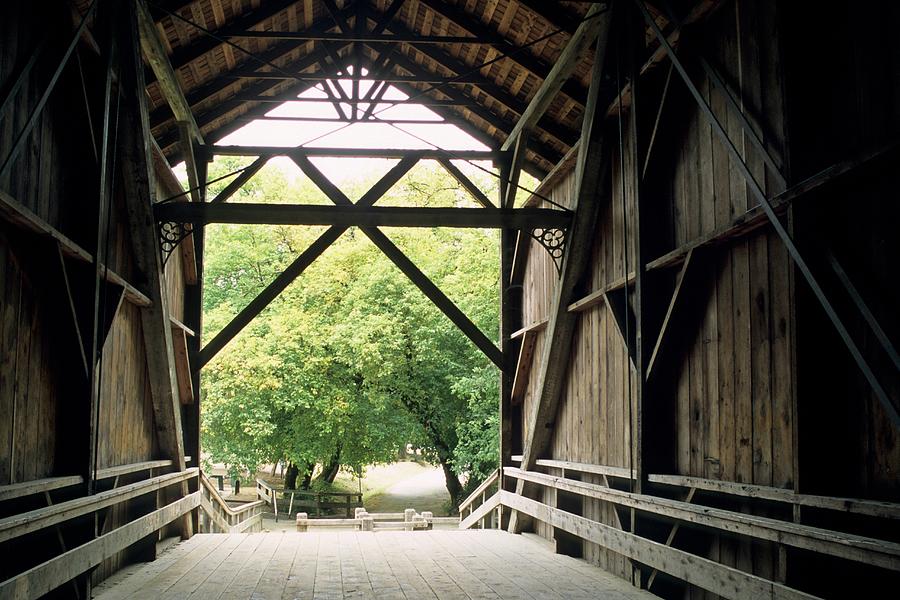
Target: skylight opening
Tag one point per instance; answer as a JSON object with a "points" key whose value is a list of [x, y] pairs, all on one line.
{"points": [[321, 117]]}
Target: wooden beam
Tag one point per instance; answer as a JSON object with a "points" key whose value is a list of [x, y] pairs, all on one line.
{"points": [[595, 25], [182, 365], [577, 467], [38, 486], [306, 258], [523, 367], [591, 176], [375, 216], [727, 582], [119, 470], [555, 15], [446, 60], [165, 74], [365, 38], [425, 285], [888, 403], [172, 188], [525, 60], [218, 84], [313, 152], [753, 219], [34, 520], [858, 506], [534, 327], [20, 216], [461, 100], [135, 157], [251, 93], [482, 511], [880, 553], [510, 185], [47, 576], [466, 183], [674, 302], [205, 43]]}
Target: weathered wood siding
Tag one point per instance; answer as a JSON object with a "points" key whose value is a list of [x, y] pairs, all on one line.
{"points": [[44, 397], [726, 393]]}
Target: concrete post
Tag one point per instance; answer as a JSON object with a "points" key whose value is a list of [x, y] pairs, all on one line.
{"points": [[302, 521]]}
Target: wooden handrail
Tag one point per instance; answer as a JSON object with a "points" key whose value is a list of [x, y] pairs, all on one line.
{"points": [[481, 512], [619, 472], [849, 546], [43, 578], [18, 525], [727, 582], [490, 479], [119, 470], [37, 486], [214, 493], [226, 518], [872, 508], [47, 484]]}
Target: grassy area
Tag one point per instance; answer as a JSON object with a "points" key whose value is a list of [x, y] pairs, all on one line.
{"points": [[376, 480]]}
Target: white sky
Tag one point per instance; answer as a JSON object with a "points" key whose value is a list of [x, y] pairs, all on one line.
{"points": [[357, 135]]}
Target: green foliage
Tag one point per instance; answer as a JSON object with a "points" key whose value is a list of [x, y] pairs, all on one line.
{"points": [[351, 358]]}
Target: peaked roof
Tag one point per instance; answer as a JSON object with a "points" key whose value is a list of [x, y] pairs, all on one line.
{"points": [[224, 85]]}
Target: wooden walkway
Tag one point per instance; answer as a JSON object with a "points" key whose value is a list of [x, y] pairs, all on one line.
{"points": [[389, 565]]}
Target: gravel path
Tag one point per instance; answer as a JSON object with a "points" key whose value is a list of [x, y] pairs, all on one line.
{"points": [[424, 491]]}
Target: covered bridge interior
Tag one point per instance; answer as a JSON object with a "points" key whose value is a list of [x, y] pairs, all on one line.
{"points": [[698, 363]]}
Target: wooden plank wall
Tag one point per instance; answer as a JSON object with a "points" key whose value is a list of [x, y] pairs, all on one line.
{"points": [[43, 410], [726, 388]]}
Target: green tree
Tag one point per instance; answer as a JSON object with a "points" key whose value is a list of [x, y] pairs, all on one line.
{"points": [[351, 362]]}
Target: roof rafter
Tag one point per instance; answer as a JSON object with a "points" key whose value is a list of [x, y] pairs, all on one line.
{"points": [[529, 62], [544, 151], [235, 102], [563, 134]]}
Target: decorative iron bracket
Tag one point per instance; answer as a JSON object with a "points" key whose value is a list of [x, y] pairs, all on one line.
{"points": [[554, 242], [170, 235]]}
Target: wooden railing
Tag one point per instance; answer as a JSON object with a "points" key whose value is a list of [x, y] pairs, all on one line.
{"points": [[478, 507], [301, 499], [72, 562], [702, 572], [219, 517], [408, 520]]}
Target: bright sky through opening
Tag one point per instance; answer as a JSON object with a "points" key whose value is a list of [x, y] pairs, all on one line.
{"points": [[262, 132]]}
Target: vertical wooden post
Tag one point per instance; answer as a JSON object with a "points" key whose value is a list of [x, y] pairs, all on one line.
{"points": [[138, 177], [634, 39], [507, 326]]}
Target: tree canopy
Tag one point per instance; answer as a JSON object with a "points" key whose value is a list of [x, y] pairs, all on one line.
{"points": [[351, 362]]}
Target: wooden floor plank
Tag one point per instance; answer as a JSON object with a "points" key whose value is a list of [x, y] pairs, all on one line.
{"points": [[252, 570], [157, 586], [328, 568], [142, 576], [275, 577], [301, 578], [332, 565], [381, 576], [492, 567], [197, 573], [480, 564], [354, 578], [225, 573], [411, 582]]}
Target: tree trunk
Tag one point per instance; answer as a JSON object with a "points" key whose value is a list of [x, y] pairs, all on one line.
{"points": [[330, 470], [290, 479], [454, 487], [307, 476]]}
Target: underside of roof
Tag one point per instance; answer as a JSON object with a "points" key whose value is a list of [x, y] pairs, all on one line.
{"points": [[518, 41]]}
